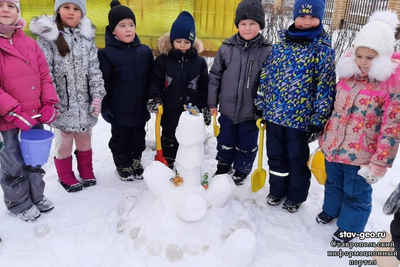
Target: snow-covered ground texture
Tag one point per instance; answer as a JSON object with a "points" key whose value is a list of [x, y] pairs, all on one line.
{"points": [[119, 223]]}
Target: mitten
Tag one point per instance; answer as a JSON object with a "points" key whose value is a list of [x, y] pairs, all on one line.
{"points": [[206, 116], [107, 115], [49, 114], [392, 204], [152, 104], [95, 107], [20, 119], [314, 133], [372, 173]]}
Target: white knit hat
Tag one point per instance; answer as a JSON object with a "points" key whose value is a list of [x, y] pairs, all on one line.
{"points": [[80, 3], [378, 33]]}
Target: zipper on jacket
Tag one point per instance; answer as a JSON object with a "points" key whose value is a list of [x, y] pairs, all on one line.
{"points": [[249, 74], [183, 58], [11, 42], [66, 90], [88, 87]]}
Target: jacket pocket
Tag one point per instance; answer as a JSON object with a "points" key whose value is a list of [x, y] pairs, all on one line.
{"points": [[367, 144]]}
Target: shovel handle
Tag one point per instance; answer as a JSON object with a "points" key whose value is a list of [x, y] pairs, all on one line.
{"points": [[215, 125], [262, 127], [158, 123]]}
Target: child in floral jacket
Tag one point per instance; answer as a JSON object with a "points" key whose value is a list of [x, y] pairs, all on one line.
{"points": [[361, 139]]}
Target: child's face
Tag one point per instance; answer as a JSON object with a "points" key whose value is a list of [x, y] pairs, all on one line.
{"points": [[70, 15], [306, 22], [364, 57], [248, 29], [125, 31], [181, 44], [8, 13]]}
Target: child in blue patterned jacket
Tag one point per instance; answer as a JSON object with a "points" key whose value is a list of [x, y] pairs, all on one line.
{"points": [[296, 94]]}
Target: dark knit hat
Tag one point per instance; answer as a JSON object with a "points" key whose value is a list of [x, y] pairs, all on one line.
{"points": [[250, 9], [309, 7], [117, 13], [183, 27]]}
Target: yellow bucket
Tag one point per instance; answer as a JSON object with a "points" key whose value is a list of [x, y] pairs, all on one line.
{"points": [[316, 163]]}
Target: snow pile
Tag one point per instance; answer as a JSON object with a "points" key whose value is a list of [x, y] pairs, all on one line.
{"points": [[155, 218]]}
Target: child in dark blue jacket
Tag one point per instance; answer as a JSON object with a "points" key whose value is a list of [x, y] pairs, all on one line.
{"points": [[126, 65], [179, 77]]}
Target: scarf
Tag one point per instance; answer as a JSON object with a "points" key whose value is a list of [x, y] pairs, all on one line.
{"points": [[301, 36], [10, 28]]}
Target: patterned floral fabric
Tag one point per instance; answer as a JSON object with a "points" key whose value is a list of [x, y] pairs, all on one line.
{"points": [[365, 124], [297, 83]]}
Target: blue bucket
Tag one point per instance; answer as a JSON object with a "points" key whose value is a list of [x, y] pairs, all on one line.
{"points": [[35, 146]]}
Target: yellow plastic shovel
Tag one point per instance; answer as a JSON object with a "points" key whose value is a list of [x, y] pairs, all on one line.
{"points": [[215, 126], [259, 175], [159, 153]]}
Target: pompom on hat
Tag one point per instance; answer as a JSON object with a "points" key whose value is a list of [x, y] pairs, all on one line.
{"points": [[378, 33], [80, 3], [119, 12], [183, 27], [315, 8], [250, 9]]}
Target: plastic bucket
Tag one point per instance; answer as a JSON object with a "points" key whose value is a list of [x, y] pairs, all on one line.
{"points": [[316, 163], [35, 146]]}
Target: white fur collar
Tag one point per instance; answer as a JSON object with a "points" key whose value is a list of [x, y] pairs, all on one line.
{"points": [[45, 26], [381, 69]]}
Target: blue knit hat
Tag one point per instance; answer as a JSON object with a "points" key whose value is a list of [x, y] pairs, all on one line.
{"points": [[183, 27], [309, 7]]}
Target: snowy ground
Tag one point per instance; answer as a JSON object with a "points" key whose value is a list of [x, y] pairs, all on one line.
{"points": [[123, 224]]}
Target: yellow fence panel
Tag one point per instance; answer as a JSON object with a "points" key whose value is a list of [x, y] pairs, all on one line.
{"points": [[214, 18]]}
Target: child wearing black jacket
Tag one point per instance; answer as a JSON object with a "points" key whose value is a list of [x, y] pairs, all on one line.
{"points": [[179, 77], [126, 65]]}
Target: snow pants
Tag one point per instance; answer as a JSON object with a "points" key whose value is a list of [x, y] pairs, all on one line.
{"points": [[22, 185], [169, 144], [127, 143], [288, 152], [237, 144], [348, 196]]}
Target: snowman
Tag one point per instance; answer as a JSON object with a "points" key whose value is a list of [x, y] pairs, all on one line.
{"points": [[183, 187]]}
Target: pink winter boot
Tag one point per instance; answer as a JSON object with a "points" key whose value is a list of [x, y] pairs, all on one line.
{"points": [[85, 167], [66, 175]]}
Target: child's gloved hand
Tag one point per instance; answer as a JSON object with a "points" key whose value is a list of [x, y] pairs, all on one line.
{"points": [[372, 173], [95, 107], [152, 104], [314, 133], [20, 119], [107, 115], [206, 115], [392, 204], [49, 114]]}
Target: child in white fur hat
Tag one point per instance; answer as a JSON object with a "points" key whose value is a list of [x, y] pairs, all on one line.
{"points": [[361, 139]]}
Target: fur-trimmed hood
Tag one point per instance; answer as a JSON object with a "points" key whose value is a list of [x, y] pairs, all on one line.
{"points": [[46, 26], [164, 45], [382, 67]]}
